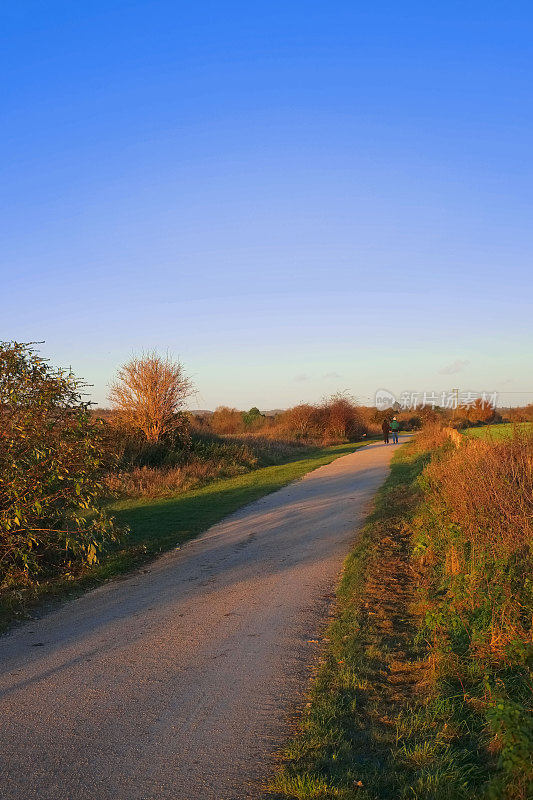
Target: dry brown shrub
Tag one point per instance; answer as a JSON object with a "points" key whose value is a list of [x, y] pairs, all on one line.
{"points": [[149, 393], [227, 420], [299, 420], [431, 437], [336, 419], [479, 411], [488, 491], [482, 497], [523, 414]]}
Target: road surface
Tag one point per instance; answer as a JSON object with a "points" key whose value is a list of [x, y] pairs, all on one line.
{"points": [[176, 682]]}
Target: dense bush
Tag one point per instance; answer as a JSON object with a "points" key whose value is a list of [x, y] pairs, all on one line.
{"points": [[524, 414], [226, 420], [301, 420], [52, 458], [337, 418]]}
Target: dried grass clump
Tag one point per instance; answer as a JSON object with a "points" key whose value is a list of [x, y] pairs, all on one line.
{"points": [[431, 437], [479, 527], [208, 458], [157, 482], [486, 490]]}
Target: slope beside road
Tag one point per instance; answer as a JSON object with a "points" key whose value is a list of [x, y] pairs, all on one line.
{"points": [[175, 683]]}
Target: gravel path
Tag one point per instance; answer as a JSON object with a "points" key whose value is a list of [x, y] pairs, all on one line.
{"points": [[176, 682]]}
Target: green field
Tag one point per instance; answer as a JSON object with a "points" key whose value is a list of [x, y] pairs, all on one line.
{"points": [[496, 432], [156, 525]]}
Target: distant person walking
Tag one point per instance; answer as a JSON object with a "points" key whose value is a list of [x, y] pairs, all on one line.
{"points": [[385, 427], [395, 427]]}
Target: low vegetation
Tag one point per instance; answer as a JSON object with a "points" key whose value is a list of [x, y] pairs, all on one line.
{"points": [[162, 469], [424, 689]]}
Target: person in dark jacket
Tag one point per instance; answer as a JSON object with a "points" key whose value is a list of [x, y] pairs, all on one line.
{"points": [[385, 427]]}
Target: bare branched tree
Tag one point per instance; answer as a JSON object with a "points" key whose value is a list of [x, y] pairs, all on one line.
{"points": [[149, 393]]}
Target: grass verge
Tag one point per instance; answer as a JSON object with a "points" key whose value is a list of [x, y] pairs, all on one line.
{"points": [[157, 525], [399, 708]]}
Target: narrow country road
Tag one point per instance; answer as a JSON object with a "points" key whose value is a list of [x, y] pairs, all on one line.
{"points": [[176, 682]]}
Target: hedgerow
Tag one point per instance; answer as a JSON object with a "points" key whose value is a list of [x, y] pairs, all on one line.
{"points": [[52, 458]]}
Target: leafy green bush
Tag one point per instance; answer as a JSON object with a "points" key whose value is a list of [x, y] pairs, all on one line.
{"points": [[52, 456], [253, 416]]}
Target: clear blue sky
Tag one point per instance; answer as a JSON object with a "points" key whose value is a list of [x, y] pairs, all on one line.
{"points": [[292, 197]]}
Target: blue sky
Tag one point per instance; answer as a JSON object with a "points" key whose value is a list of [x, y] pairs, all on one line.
{"points": [[293, 198]]}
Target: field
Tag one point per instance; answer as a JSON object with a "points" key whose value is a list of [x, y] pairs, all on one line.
{"points": [[497, 432]]}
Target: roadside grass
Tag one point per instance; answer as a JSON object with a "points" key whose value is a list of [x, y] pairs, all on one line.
{"points": [[505, 430], [156, 525], [361, 732], [402, 704]]}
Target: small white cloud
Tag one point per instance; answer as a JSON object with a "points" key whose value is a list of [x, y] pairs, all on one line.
{"points": [[301, 378], [331, 375], [455, 366]]}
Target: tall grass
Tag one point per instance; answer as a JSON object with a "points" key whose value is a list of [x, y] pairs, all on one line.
{"points": [[473, 542], [159, 470], [478, 532]]}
